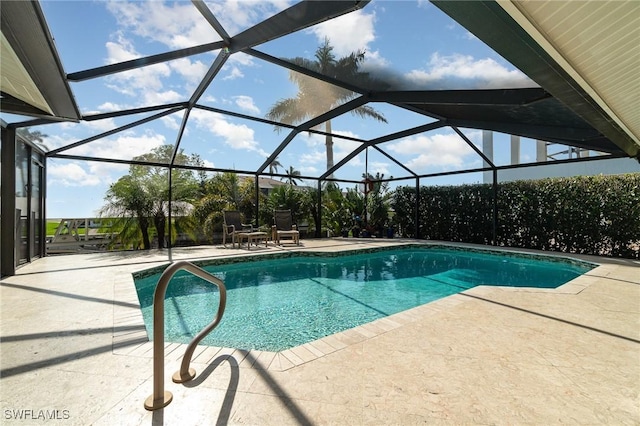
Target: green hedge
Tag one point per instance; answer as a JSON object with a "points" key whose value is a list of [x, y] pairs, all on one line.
{"points": [[597, 215]]}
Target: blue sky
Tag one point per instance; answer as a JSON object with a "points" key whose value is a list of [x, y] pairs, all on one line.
{"points": [[411, 42]]}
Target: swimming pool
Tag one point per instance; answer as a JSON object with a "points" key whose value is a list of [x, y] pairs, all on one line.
{"points": [[276, 304]]}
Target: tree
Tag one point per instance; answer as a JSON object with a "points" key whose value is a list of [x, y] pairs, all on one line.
{"points": [[224, 191], [316, 97], [285, 197], [293, 176], [337, 213], [273, 166], [141, 198], [378, 202], [130, 206]]}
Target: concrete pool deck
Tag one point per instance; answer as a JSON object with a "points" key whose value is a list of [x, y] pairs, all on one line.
{"points": [[73, 351]]}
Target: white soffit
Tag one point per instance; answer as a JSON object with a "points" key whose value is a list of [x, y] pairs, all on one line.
{"points": [[597, 43], [16, 81]]}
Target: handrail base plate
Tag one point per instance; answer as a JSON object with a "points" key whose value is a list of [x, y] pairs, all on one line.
{"points": [[180, 378], [155, 404]]}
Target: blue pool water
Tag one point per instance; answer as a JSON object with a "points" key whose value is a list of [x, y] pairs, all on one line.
{"points": [[277, 304]]}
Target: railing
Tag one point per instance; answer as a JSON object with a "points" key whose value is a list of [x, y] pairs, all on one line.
{"points": [[160, 397]]}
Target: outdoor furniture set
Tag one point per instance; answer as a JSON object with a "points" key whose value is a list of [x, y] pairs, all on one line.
{"points": [[283, 227]]}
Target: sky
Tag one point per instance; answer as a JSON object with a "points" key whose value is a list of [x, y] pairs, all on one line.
{"points": [[411, 43]]}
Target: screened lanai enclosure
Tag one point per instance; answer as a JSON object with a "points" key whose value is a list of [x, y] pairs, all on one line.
{"points": [[192, 99]]}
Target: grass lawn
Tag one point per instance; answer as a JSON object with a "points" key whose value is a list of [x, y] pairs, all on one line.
{"points": [[52, 225]]}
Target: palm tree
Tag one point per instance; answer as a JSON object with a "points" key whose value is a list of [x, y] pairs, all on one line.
{"points": [[293, 176], [316, 97], [273, 166], [129, 207], [141, 198], [225, 191]]}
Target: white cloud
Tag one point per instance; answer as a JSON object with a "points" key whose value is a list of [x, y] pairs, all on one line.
{"points": [[71, 174], [312, 140], [206, 98], [236, 63], [241, 58], [146, 84], [177, 25], [76, 174], [379, 167], [373, 60], [103, 125], [233, 74], [108, 107], [454, 71], [192, 71], [236, 136], [246, 104], [317, 154], [238, 15], [357, 161], [143, 83], [162, 97], [57, 140], [125, 146], [308, 170], [173, 121], [470, 36], [344, 147], [313, 157], [347, 33], [436, 151]]}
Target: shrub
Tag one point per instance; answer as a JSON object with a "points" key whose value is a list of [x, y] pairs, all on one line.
{"points": [[598, 215]]}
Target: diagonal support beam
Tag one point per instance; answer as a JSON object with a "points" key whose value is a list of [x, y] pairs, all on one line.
{"points": [[302, 70], [277, 151], [220, 60], [566, 135], [212, 20], [125, 112], [409, 132], [381, 151], [487, 97], [176, 147], [345, 160], [341, 109], [382, 139], [143, 62], [112, 132], [346, 107], [270, 122], [299, 16], [475, 148]]}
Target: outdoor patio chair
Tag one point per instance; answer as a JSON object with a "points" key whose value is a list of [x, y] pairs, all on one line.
{"points": [[284, 227], [233, 227]]}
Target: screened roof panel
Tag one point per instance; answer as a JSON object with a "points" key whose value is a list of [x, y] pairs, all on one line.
{"points": [[126, 144], [420, 68], [437, 151], [228, 142]]}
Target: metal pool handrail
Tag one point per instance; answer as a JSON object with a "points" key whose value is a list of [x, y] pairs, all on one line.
{"points": [[160, 397]]}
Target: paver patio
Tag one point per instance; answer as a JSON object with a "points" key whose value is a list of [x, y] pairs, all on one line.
{"points": [[73, 347]]}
